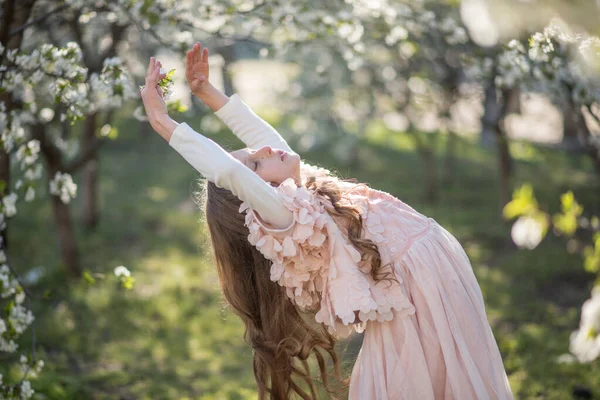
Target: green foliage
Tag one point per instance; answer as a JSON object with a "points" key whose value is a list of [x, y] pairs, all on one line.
{"points": [[176, 107], [87, 276], [171, 336], [566, 222], [592, 255], [109, 131], [522, 203], [167, 81], [127, 282]]}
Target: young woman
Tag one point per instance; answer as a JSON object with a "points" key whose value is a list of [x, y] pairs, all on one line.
{"points": [[292, 240]]}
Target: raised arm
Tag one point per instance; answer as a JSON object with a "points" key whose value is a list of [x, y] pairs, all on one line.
{"points": [[220, 167], [243, 122], [249, 127], [211, 160]]}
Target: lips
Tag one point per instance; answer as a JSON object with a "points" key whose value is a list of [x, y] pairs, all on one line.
{"points": [[283, 154]]}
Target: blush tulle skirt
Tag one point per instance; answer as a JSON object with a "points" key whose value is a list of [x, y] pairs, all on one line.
{"points": [[446, 349]]}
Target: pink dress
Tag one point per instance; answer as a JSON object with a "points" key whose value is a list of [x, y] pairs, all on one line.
{"points": [[426, 336]]}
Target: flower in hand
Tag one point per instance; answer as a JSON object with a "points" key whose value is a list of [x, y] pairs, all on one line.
{"points": [[152, 93], [196, 69]]}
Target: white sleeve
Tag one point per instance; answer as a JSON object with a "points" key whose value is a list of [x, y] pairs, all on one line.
{"points": [[225, 171], [249, 127]]}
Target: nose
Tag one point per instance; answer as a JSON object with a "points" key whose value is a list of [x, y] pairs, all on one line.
{"points": [[265, 150]]}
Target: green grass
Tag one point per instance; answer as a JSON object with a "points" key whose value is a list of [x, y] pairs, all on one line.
{"points": [[171, 336]]}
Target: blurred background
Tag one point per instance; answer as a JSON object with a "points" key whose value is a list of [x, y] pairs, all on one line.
{"points": [[483, 114]]}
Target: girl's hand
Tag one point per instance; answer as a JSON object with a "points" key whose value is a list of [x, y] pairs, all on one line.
{"points": [[196, 69], [154, 104]]}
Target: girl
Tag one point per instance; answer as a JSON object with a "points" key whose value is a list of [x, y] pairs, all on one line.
{"points": [[350, 257]]}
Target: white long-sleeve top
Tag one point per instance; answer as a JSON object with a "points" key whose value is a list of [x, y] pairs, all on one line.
{"points": [[225, 171]]}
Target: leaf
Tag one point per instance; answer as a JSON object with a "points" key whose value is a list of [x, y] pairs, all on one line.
{"points": [[592, 255], [176, 106], [567, 199], [127, 282], [89, 278], [569, 204], [523, 202], [565, 223]]}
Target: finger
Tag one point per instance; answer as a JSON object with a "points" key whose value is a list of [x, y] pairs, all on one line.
{"points": [[188, 61], [153, 78], [205, 55], [192, 51], [196, 53], [150, 67]]}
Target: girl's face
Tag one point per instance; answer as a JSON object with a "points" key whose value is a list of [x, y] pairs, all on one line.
{"points": [[272, 165]]}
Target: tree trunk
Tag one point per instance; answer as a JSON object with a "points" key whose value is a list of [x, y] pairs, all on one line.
{"points": [[430, 194], [66, 237], [227, 52], [493, 132], [430, 191], [14, 15], [89, 180], [571, 141], [491, 115], [504, 159], [450, 160], [62, 218], [584, 135]]}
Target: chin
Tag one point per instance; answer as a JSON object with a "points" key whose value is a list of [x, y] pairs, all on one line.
{"points": [[295, 159]]}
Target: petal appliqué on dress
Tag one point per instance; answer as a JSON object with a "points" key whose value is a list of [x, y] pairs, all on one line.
{"points": [[320, 268]]}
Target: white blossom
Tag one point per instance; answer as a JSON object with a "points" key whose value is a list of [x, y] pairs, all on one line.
{"points": [[10, 208], [26, 390], [20, 318], [590, 311], [140, 114], [20, 297], [46, 114], [584, 343], [62, 185], [122, 271], [28, 153], [30, 194], [105, 130], [34, 173], [526, 232]]}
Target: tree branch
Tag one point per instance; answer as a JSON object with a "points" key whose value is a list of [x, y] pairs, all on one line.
{"points": [[50, 150], [36, 20], [84, 157]]}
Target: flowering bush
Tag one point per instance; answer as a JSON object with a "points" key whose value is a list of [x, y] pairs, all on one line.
{"points": [[529, 230]]}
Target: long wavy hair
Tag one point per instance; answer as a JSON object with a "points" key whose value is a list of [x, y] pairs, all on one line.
{"points": [[281, 335]]}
